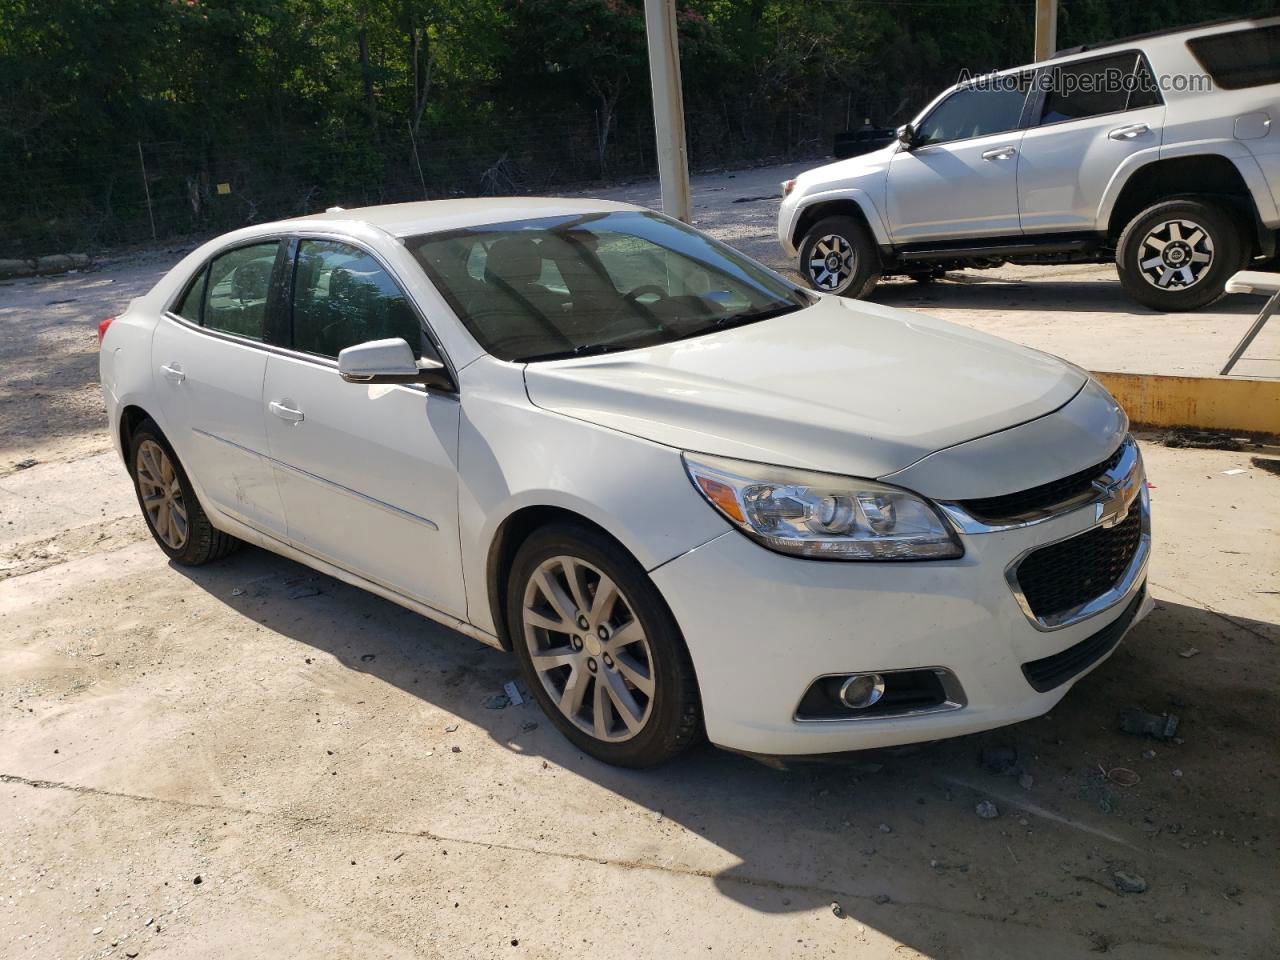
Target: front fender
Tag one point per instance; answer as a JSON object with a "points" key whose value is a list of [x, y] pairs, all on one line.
{"points": [[788, 218]]}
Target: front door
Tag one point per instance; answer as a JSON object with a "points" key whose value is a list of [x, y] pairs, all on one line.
{"points": [[1090, 118], [367, 473], [209, 364], [960, 179]]}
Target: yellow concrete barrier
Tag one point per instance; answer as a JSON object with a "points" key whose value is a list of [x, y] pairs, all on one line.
{"points": [[1233, 404]]}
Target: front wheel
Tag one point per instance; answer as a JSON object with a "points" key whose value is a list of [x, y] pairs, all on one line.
{"points": [[1179, 254], [838, 255], [599, 648]]}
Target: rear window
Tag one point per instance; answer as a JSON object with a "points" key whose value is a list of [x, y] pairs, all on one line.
{"points": [[1241, 58]]}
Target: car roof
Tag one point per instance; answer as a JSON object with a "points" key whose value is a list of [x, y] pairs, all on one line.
{"points": [[433, 216]]}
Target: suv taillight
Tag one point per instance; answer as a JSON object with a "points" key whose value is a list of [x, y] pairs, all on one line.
{"points": [[102, 329]]}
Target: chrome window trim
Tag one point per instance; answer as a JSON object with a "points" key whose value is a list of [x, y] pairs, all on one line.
{"points": [[1099, 493], [951, 688], [1119, 592]]}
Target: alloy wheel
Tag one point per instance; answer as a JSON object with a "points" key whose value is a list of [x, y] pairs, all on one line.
{"points": [[831, 262], [589, 649], [162, 494], [1175, 254]]}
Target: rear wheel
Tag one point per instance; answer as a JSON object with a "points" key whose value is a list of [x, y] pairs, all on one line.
{"points": [[839, 255], [1179, 254], [169, 505], [599, 649]]}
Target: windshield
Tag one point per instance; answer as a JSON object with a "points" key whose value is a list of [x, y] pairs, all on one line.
{"points": [[569, 286]]}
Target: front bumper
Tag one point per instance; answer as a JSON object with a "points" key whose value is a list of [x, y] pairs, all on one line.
{"points": [[761, 627]]}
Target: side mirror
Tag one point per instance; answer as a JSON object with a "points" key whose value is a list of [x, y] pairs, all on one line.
{"points": [[907, 136], [391, 361]]}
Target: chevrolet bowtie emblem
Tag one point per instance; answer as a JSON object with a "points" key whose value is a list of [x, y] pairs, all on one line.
{"points": [[1114, 498]]}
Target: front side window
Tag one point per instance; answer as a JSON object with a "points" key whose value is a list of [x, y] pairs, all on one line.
{"points": [[1091, 88], [1240, 58], [237, 289], [342, 296], [974, 112], [594, 283]]}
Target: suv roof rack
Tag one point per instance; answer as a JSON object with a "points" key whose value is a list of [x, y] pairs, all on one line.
{"points": [[1070, 51]]}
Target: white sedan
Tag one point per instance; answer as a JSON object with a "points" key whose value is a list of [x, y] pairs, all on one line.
{"points": [[688, 495]]}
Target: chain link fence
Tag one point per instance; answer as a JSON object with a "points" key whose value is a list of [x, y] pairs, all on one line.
{"points": [[151, 190]]}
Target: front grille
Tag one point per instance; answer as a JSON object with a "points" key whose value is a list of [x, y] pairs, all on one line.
{"points": [[1065, 575], [1011, 506], [1049, 672]]}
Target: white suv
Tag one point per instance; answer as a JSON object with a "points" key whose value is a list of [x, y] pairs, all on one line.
{"points": [[1159, 153]]}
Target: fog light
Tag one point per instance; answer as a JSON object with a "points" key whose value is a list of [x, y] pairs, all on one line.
{"points": [[862, 690]]}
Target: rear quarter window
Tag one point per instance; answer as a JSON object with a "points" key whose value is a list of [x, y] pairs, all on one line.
{"points": [[1241, 58]]}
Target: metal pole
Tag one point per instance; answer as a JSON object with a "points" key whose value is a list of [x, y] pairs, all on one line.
{"points": [[1268, 311], [668, 106], [146, 188], [1046, 28]]}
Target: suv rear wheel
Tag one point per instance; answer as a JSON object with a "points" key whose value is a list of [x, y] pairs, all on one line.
{"points": [[1179, 254], [838, 255]]}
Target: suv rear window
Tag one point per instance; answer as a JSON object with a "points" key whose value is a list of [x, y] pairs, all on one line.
{"points": [[1241, 58], [1092, 88]]}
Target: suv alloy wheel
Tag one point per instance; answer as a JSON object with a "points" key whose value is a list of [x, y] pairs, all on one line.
{"points": [[838, 255], [1179, 254]]}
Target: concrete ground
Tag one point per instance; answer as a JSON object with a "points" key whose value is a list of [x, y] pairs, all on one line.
{"points": [[253, 760]]}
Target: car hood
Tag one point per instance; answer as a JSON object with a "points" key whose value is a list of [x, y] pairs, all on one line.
{"points": [[845, 387]]}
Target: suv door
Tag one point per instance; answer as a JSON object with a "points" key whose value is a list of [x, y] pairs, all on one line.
{"points": [[367, 473], [960, 178], [1089, 117], [209, 357]]}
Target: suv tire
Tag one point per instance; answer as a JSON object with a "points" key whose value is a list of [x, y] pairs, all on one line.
{"points": [[1179, 254], [838, 255], [623, 647], [168, 503]]}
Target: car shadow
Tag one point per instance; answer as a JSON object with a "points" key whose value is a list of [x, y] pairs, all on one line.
{"points": [[967, 291], [893, 837]]}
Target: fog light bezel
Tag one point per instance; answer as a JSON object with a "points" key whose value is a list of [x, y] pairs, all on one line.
{"points": [[948, 695]]}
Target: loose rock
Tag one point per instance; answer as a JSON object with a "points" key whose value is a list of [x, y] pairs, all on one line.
{"points": [[1026, 781], [1140, 723], [882, 898], [885, 828], [1129, 882], [837, 909], [497, 701], [986, 810]]}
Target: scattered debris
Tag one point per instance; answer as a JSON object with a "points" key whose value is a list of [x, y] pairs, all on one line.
{"points": [[882, 898], [1026, 781], [513, 693], [1140, 723], [368, 657], [529, 725], [96, 931], [456, 749], [496, 701], [1129, 882], [298, 593], [837, 909], [197, 879], [238, 592], [1201, 440], [1177, 774], [986, 810], [753, 199], [1122, 776], [885, 828], [1188, 653], [1233, 472], [451, 728], [26, 464], [1148, 754]]}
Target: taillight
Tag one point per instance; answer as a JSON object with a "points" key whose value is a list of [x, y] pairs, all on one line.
{"points": [[102, 329]]}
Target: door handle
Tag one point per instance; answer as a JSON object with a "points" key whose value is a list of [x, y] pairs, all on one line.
{"points": [[173, 371], [1000, 153], [285, 412], [1129, 132]]}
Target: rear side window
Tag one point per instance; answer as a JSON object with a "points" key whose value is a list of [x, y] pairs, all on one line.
{"points": [[188, 308], [342, 296], [974, 112], [1241, 58], [237, 289], [1091, 88]]}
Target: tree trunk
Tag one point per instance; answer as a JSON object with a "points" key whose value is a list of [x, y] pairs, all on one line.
{"points": [[366, 76]]}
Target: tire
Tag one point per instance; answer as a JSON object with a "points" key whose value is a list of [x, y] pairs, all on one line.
{"points": [[197, 542], [838, 255], [1162, 249], [661, 725]]}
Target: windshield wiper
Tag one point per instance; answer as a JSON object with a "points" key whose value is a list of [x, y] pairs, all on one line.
{"points": [[586, 350], [742, 319]]}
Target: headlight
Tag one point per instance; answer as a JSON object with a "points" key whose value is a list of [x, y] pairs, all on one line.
{"points": [[820, 515]]}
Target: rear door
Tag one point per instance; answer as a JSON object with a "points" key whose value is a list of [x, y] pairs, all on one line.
{"points": [[367, 473], [961, 179], [1089, 117], [210, 358]]}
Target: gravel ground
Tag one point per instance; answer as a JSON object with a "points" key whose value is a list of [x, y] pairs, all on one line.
{"points": [[253, 760]]}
